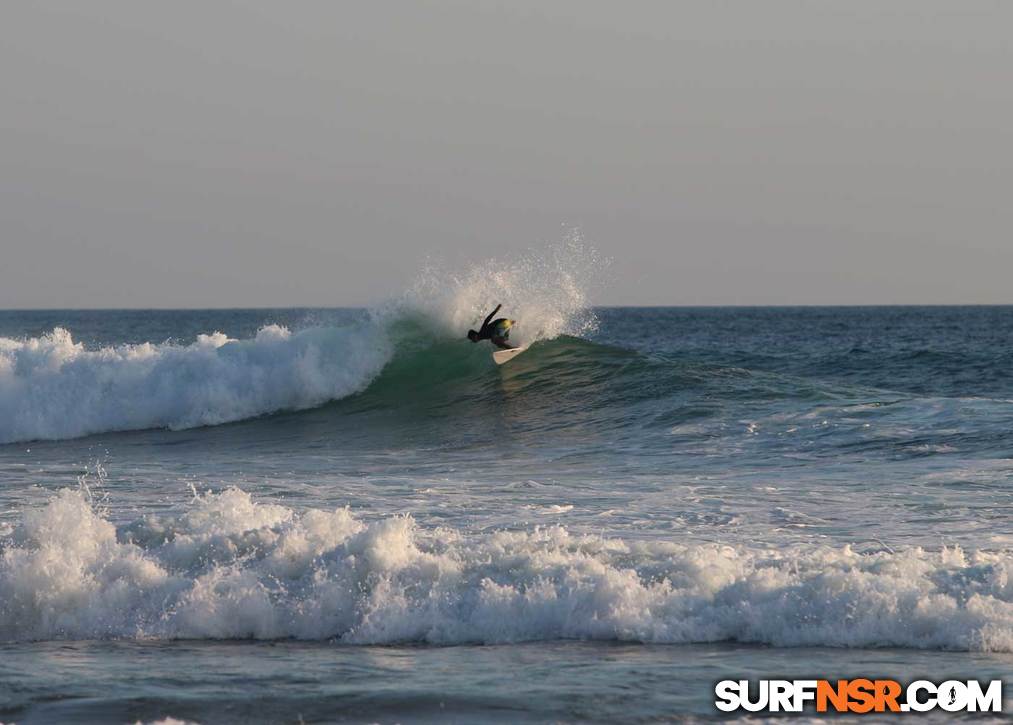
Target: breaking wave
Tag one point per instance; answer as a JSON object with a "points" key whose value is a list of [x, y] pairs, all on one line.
{"points": [[53, 387], [230, 567]]}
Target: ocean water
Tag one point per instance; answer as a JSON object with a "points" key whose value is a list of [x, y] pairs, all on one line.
{"points": [[275, 515]]}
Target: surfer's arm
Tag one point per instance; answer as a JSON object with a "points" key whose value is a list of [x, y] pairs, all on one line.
{"points": [[491, 315]]}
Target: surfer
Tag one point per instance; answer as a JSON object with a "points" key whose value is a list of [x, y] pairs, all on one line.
{"points": [[495, 332]]}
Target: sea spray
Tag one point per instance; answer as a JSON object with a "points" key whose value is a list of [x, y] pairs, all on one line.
{"points": [[548, 292]]}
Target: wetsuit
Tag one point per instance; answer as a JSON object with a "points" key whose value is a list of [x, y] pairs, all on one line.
{"points": [[497, 331]]}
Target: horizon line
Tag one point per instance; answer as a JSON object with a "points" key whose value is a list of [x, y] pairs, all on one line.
{"points": [[231, 308]]}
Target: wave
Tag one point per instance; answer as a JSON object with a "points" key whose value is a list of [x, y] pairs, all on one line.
{"points": [[53, 387], [232, 568]]}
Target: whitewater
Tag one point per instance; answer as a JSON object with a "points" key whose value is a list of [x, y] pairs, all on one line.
{"points": [[357, 512], [230, 568]]}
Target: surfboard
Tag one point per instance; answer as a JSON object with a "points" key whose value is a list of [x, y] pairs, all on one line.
{"points": [[502, 356]]}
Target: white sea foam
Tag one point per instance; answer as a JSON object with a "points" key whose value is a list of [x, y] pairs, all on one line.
{"points": [[233, 568], [53, 387]]}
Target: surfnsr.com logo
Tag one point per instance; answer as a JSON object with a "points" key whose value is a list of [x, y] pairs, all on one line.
{"points": [[858, 696]]}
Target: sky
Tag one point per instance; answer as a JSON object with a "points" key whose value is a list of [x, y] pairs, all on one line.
{"points": [[230, 154]]}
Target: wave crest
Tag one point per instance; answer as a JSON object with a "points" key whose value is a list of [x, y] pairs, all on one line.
{"points": [[52, 387]]}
